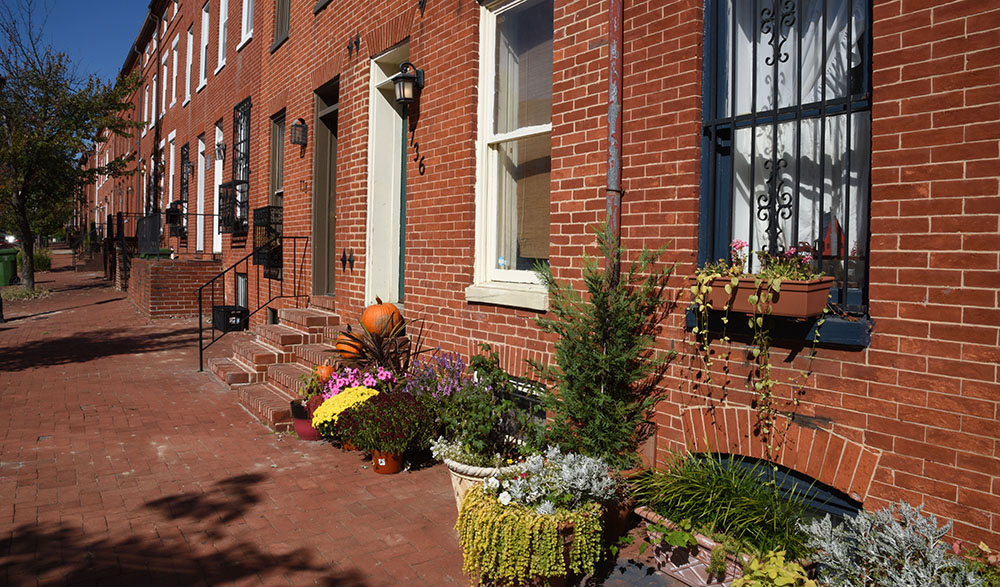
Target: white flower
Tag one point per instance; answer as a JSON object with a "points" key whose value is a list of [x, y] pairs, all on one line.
{"points": [[504, 498], [492, 483]]}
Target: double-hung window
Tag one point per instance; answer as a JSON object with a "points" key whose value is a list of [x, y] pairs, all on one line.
{"points": [[188, 63], [246, 28], [203, 41], [787, 134], [514, 153], [282, 20], [223, 33], [278, 159]]}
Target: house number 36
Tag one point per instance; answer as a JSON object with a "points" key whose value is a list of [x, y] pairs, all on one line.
{"points": [[417, 158]]}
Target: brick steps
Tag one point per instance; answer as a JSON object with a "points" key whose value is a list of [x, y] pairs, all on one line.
{"points": [[267, 404], [228, 372], [267, 365], [287, 377]]}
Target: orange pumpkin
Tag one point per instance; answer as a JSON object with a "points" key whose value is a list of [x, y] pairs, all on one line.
{"points": [[348, 347], [381, 318], [324, 371]]}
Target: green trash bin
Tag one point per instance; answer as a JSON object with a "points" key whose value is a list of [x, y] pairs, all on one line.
{"points": [[8, 266]]}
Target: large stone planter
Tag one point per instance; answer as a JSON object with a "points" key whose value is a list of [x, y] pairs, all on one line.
{"points": [[464, 477]]}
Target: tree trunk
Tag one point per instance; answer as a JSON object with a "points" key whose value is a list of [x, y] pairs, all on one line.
{"points": [[27, 240]]}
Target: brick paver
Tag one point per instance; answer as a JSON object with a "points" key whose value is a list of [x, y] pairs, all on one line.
{"points": [[121, 464]]}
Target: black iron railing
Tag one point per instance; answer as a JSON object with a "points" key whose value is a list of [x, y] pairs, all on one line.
{"points": [[267, 223], [229, 317], [234, 207]]}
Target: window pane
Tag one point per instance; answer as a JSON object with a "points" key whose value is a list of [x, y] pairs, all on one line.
{"points": [[524, 66], [523, 173]]}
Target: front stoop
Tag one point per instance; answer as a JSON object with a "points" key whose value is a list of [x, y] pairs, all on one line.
{"points": [[266, 368], [266, 404]]}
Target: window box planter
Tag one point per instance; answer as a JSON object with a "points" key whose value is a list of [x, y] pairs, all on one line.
{"points": [[797, 299], [688, 564]]}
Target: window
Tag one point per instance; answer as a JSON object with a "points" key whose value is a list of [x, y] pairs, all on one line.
{"points": [[185, 183], [223, 26], [282, 19], [173, 80], [145, 110], [241, 164], [787, 164], [247, 24], [203, 65], [152, 118], [163, 93], [188, 64], [514, 154], [278, 159]]}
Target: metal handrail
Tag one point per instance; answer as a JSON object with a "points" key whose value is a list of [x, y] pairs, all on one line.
{"points": [[296, 293]]}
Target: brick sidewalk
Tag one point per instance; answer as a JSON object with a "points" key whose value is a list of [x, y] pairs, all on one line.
{"points": [[121, 464]]}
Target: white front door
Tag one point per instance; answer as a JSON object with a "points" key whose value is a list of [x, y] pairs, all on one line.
{"points": [[216, 235]]}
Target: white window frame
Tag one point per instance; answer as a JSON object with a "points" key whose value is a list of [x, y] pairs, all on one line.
{"points": [[223, 36], [169, 196], [188, 65], [153, 101], [163, 92], [246, 24], [173, 78], [145, 110], [203, 66], [516, 288]]}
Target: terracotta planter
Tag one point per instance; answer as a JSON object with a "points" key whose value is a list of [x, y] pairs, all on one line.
{"points": [[302, 422], [386, 463], [688, 565], [797, 299], [348, 446]]}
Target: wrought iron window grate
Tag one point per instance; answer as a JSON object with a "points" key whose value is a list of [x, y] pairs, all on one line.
{"points": [[266, 240], [233, 207], [787, 134]]}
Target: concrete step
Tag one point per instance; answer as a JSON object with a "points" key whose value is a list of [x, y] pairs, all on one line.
{"points": [[228, 372], [267, 404], [283, 338], [287, 377], [312, 355], [256, 356]]}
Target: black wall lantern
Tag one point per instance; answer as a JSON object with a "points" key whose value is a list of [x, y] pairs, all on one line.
{"points": [[408, 83], [220, 151], [298, 134]]}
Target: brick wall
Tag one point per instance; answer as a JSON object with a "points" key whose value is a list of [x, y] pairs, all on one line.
{"points": [[912, 416], [162, 288]]}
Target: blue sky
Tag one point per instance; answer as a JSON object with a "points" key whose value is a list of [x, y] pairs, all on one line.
{"points": [[96, 34]]}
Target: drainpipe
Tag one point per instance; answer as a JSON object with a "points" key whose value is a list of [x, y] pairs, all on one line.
{"points": [[614, 188]]}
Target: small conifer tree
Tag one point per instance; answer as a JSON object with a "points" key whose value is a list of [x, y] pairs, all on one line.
{"points": [[603, 387]]}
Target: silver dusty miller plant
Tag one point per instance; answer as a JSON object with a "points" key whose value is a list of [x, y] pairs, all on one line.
{"points": [[556, 480], [892, 547]]}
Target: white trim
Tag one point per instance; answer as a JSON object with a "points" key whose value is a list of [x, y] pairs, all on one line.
{"points": [[206, 17], [243, 43], [188, 64], [223, 39], [173, 78], [516, 288], [200, 221], [200, 87], [219, 68]]}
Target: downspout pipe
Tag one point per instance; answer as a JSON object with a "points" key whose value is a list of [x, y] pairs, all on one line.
{"points": [[613, 193]]}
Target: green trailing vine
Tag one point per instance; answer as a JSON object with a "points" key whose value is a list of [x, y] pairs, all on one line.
{"points": [[513, 545], [775, 269]]}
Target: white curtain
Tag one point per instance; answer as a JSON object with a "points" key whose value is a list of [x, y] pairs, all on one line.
{"points": [[827, 184]]}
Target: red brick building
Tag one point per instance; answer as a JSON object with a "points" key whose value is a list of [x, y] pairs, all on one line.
{"points": [[867, 131]]}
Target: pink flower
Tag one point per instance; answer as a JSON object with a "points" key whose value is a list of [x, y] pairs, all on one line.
{"points": [[738, 245], [807, 258], [369, 381]]}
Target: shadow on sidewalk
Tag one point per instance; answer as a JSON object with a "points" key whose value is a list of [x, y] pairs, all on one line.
{"points": [[89, 346], [58, 555]]}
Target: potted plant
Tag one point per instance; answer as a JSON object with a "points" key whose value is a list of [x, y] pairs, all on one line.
{"points": [[704, 515], [786, 285], [604, 384], [387, 425], [541, 524], [482, 430], [311, 388]]}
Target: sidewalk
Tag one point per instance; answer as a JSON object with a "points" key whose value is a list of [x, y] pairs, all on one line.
{"points": [[121, 464]]}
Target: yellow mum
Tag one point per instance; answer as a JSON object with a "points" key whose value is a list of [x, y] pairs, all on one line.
{"points": [[327, 413]]}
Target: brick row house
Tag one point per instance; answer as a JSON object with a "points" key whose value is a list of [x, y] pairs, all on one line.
{"points": [[868, 131]]}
